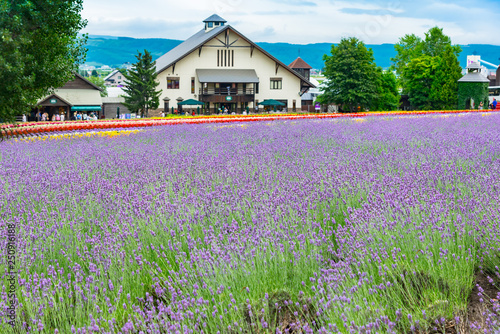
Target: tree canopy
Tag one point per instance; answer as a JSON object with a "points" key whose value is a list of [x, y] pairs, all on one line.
{"points": [[141, 94], [387, 97], [354, 80], [350, 73], [99, 82], [428, 69], [40, 48]]}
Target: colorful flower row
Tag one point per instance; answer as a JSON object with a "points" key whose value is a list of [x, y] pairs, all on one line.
{"points": [[111, 134], [26, 129]]}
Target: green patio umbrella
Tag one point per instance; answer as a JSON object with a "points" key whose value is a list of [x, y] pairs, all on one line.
{"points": [[271, 102], [191, 102]]}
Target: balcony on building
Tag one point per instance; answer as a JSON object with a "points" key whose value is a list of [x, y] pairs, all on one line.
{"points": [[223, 85]]}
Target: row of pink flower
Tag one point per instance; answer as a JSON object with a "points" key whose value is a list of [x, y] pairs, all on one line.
{"points": [[43, 127]]}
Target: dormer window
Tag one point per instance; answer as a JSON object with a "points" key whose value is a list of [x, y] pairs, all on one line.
{"points": [[210, 24]]}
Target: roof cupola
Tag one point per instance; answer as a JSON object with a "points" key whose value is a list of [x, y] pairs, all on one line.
{"points": [[214, 21]]}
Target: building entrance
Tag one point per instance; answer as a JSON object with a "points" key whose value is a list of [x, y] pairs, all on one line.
{"points": [[221, 107]]}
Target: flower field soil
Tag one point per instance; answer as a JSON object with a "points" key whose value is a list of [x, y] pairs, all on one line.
{"points": [[336, 225]]}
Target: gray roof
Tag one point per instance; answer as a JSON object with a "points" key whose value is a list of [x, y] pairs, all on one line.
{"points": [[113, 99], [185, 48], [215, 18], [227, 75], [474, 65], [473, 77], [202, 37], [111, 74]]}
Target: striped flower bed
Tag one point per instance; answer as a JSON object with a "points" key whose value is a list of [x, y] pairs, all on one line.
{"points": [[35, 128]]}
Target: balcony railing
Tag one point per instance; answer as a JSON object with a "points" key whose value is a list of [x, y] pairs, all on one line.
{"points": [[226, 91]]}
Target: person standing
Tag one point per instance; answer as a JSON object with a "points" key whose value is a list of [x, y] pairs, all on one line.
{"points": [[494, 104], [24, 118]]}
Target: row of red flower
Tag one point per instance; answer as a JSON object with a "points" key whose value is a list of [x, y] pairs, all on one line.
{"points": [[45, 127]]}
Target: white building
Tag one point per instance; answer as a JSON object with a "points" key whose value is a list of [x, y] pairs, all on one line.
{"points": [[475, 59], [115, 79], [224, 69]]}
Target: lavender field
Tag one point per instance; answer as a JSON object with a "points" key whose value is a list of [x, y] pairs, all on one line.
{"points": [[376, 225]]}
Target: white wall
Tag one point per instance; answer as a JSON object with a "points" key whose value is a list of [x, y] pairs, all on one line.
{"points": [[80, 97]]}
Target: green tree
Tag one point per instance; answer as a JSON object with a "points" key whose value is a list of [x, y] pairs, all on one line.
{"points": [[428, 69], [40, 49], [95, 74], [141, 93], [387, 97], [349, 72], [408, 48], [436, 43], [444, 88], [419, 74], [99, 82]]}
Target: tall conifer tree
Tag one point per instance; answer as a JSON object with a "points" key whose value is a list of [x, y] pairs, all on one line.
{"points": [[141, 85]]}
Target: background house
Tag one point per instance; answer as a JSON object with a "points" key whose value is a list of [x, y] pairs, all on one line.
{"points": [[77, 95], [115, 79]]}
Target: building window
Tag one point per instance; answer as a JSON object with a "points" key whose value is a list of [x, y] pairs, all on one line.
{"points": [[192, 85], [210, 24], [172, 83], [225, 58], [276, 83], [119, 77], [256, 88]]}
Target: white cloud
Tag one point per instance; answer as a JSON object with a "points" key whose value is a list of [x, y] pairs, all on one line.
{"points": [[292, 21]]}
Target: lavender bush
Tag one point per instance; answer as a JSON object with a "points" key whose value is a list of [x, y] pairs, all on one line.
{"points": [[351, 226]]}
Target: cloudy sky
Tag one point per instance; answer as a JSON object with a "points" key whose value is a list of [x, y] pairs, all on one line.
{"points": [[299, 21]]}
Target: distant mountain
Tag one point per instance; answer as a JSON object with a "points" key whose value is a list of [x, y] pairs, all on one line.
{"points": [[114, 51]]}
